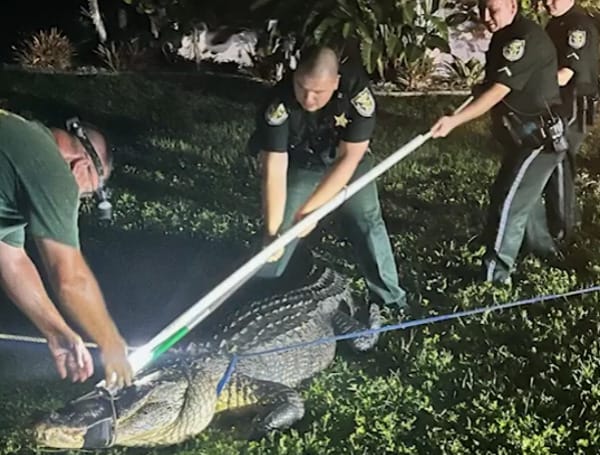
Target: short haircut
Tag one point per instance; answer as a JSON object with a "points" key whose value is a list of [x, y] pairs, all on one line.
{"points": [[317, 60], [483, 3]]}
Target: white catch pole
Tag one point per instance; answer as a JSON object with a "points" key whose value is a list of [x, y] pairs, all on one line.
{"points": [[207, 304], [39, 340]]}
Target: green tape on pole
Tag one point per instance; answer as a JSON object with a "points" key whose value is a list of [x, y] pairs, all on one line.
{"points": [[165, 345]]}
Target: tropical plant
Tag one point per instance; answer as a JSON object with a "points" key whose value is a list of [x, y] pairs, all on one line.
{"points": [[120, 56], [185, 14], [464, 74], [390, 33], [46, 49], [276, 53], [161, 13], [534, 10], [590, 5], [462, 11], [417, 74]]}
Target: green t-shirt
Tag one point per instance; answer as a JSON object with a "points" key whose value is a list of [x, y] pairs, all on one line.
{"points": [[37, 188]]}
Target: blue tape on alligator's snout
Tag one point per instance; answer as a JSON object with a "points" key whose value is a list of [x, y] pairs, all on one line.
{"points": [[100, 435]]}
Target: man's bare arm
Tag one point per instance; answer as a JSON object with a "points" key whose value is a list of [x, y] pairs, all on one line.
{"points": [[80, 296], [350, 154], [565, 75], [23, 285], [477, 108], [274, 189]]}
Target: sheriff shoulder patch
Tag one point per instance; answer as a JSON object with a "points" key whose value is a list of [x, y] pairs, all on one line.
{"points": [[577, 38], [364, 102], [514, 50], [276, 114]]}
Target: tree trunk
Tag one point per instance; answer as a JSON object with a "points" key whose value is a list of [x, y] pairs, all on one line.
{"points": [[97, 19], [122, 18]]}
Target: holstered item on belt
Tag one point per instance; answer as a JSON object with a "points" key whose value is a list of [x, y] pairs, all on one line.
{"points": [[587, 107], [544, 130], [524, 133], [555, 128]]}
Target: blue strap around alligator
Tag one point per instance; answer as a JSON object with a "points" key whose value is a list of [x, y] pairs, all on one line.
{"points": [[400, 326]]}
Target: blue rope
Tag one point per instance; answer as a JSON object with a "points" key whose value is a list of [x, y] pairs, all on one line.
{"points": [[400, 326], [227, 376]]}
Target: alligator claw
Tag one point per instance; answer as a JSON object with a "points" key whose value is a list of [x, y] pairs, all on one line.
{"points": [[367, 342]]}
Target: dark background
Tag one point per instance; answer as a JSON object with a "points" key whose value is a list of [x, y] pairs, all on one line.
{"points": [[20, 18]]}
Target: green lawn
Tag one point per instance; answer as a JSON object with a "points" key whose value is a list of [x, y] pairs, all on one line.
{"points": [[520, 381]]}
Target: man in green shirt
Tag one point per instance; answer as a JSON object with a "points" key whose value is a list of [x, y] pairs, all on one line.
{"points": [[43, 175], [519, 90]]}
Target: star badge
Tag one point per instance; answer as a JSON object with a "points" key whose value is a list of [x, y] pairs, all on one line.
{"points": [[341, 120]]}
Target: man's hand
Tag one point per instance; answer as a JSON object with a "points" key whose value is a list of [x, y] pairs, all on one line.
{"points": [[82, 299], [297, 218], [491, 96], [443, 126], [117, 369], [22, 283], [71, 357], [267, 240]]}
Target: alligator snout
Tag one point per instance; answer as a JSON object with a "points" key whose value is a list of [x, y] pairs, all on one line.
{"points": [[48, 435]]}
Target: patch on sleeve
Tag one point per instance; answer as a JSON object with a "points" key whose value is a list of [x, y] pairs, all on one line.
{"points": [[514, 50], [577, 38], [276, 114], [364, 102]]}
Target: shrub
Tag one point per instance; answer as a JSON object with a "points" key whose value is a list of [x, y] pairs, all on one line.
{"points": [[276, 53], [46, 49], [416, 74], [120, 56], [464, 74], [392, 34]]}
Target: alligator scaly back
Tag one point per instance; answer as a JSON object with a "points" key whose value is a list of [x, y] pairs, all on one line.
{"points": [[176, 400]]}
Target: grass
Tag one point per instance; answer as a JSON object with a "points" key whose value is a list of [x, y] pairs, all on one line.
{"points": [[187, 205]]}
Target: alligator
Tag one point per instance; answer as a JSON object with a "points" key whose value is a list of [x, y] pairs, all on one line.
{"points": [[177, 399]]}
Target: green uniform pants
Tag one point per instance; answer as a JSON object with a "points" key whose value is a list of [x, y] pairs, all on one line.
{"points": [[516, 205], [361, 219]]}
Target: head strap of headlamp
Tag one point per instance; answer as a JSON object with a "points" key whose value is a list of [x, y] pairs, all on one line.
{"points": [[75, 127]]}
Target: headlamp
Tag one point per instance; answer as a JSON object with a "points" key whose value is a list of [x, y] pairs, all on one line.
{"points": [[103, 207]]}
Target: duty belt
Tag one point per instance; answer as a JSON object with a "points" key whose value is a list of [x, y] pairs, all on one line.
{"points": [[547, 130]]}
